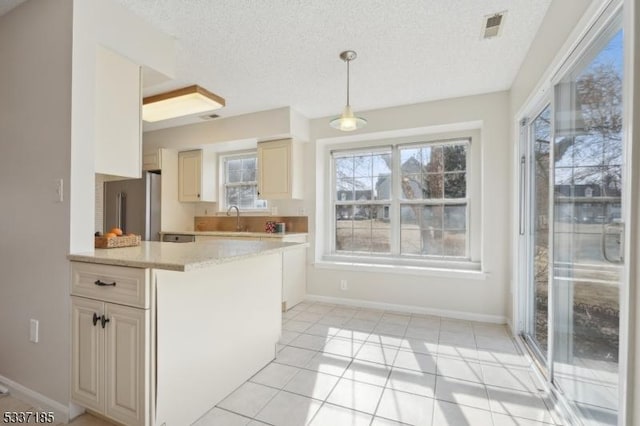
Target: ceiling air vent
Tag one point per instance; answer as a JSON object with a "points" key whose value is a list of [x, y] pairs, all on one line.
{"points": [[493, 25]]}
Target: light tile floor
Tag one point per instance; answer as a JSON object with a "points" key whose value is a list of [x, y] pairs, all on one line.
{"points": [[342, 366], [339, 365]]}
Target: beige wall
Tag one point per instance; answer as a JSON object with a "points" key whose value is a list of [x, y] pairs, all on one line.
{"points": [[35, 122], [471, 298]]}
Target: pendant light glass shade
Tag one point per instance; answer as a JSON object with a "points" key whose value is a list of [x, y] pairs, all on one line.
{"points": [[348, 122]]}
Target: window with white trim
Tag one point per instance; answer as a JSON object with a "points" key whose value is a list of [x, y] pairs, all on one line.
{"points": [[404, 201], [239, 182]]}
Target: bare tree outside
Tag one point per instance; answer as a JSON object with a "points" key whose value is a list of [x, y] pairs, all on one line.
{"points": [[434, 175], [432, 200]]}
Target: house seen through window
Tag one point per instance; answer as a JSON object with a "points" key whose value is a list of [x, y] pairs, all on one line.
{"points": [[403, 200]]}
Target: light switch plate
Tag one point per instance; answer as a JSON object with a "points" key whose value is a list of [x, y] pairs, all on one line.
{"points": [[33, 330]]}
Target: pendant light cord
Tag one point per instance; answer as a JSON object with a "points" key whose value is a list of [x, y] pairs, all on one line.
{"points": [[348, 81]]}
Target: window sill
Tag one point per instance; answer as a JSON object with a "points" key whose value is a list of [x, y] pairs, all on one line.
{"points": [[472, 271]]}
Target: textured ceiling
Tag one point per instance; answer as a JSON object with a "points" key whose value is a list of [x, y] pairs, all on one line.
{"points": [[261, 55]]}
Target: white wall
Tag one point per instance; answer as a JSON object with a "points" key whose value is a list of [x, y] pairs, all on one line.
{"points": [[35, 129], [102, 23], [454, 295]]}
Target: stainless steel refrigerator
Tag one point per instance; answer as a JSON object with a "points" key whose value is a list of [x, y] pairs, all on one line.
{"points": [[134, 206]]}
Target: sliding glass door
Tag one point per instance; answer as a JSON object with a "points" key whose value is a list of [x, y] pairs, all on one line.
{"points": [[588, 161], [573, 230]]}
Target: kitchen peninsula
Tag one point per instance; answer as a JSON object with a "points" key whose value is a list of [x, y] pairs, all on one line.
{"points": [[162, 332]]}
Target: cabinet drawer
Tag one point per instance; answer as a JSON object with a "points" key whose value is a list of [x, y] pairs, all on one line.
{"points": [[131, 284]]}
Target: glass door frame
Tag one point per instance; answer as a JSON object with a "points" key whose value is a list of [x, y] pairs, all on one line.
{"points": [[526, 234], [603, 15]]}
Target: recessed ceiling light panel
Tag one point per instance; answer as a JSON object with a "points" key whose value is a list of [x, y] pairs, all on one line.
{"points": [[178, 103]]}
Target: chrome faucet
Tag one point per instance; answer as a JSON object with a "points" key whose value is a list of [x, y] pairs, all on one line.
{"points": [[238, 228]]}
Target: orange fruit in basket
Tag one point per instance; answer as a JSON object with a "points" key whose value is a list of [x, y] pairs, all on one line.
{"points": [[116, 231], [110, 235]]}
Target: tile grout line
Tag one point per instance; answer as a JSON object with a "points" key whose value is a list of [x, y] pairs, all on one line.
{"points": [[336, 384], [392, 367]]}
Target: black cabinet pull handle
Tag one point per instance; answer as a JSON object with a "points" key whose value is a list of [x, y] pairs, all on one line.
{"points": [[103, 284], [104, 321], [96, 318]]}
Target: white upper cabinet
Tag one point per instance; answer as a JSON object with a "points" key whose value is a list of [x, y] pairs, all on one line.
{"points": [[280, 170], [197, 176], [152, 159], [118, 141]]}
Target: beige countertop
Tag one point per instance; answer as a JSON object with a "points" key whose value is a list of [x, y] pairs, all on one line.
{"points": [[182, 257], [236, 234]]}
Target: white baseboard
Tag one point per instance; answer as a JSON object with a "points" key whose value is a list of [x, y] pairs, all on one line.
{"points": [[37, 400], [510, 326], [360, 303]]}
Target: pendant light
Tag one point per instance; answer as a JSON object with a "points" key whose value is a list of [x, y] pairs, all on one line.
{"points": [[347, 122]]}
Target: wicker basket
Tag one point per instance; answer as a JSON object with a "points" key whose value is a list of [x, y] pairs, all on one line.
{"points": [[115, 242]]}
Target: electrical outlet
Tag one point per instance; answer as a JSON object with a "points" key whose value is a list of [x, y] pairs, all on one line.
{"points": [[58, 191], [343, 285], [33, 330]]}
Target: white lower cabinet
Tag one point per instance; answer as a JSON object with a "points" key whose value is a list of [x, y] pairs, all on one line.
{"points": [[126, 365], [294, 265], [87, 354], [111, 353], [294, 273]]}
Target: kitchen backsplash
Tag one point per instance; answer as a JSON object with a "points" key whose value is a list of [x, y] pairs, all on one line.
{"points": [[249, 223]]}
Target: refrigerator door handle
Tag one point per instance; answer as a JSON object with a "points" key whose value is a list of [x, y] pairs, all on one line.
{"points": [[119, 209], [123, 212]]}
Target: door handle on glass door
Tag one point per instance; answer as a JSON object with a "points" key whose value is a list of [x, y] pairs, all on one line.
{"points": [[619, 228]]}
